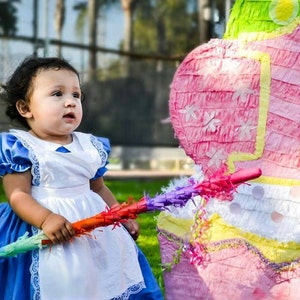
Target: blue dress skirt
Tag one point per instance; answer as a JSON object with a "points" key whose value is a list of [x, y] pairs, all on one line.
{"points": [[14, 271]]}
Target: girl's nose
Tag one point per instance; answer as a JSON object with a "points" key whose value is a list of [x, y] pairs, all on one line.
{"points": [[70, 102]]}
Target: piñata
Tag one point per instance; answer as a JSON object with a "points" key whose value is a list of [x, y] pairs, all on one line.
{"points": [[235, 101]]}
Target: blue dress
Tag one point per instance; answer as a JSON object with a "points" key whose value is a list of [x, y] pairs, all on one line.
{"points": [[105, 265]]}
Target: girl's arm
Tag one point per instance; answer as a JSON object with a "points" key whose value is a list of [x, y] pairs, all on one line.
{"points": [[17, 187], [99, 187]]}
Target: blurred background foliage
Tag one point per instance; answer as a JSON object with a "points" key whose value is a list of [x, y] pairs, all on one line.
{"points": [[127, 87]]}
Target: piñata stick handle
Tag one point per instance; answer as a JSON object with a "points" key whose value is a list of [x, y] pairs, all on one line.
{"points": [[116, 214], [178, 198]]}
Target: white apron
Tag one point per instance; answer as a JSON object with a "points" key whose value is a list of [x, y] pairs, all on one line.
{"points": [[103, 265]]}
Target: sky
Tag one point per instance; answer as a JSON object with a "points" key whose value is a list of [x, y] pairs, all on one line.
{"points": [[110, 30]]}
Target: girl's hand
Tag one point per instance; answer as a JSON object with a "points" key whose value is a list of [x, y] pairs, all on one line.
{"points": [[57, 228], [133, 228]]}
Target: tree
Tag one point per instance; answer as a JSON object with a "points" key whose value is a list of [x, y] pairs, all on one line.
{"points": [[8, 18], [93, 15], [207, 12], [59, 22], [90, 9], [204, 20], [169, 27], [128, 8]]}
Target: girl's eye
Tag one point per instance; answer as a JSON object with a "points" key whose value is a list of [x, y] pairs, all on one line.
{"points": [[76, 95], [57, 93]]}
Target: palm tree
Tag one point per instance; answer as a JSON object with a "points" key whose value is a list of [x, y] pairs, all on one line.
{"points": [[91, 9], [93, 16], [8, 18], [128, 8], [59, 22], [204, 20], [206, 10]]}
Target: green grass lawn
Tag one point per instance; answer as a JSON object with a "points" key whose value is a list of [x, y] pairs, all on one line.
{"points": [[147, 240]]}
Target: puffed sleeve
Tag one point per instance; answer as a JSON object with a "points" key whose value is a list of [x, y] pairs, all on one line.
{"points": [[104, 151], [13, 155]]}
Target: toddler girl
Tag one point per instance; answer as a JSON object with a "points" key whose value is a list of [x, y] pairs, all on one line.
{"points": [[53, 176]]}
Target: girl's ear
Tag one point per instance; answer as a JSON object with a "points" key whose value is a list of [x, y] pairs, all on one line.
{"points": [[23, 109]]}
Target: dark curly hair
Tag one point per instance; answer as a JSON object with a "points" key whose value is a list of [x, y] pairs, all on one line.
{"points": [[18, 86]]}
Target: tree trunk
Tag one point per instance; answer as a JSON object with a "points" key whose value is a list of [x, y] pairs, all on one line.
{"points": [[92, 14], [35, 27], [128, 8], [205, 17], [160, 83], [59, 22]]}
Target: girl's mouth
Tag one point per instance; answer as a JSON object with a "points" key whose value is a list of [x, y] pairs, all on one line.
{"points": [[69, 115]]}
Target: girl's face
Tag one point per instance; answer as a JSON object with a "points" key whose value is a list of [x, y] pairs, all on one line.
{"points": [[55, 109]]}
